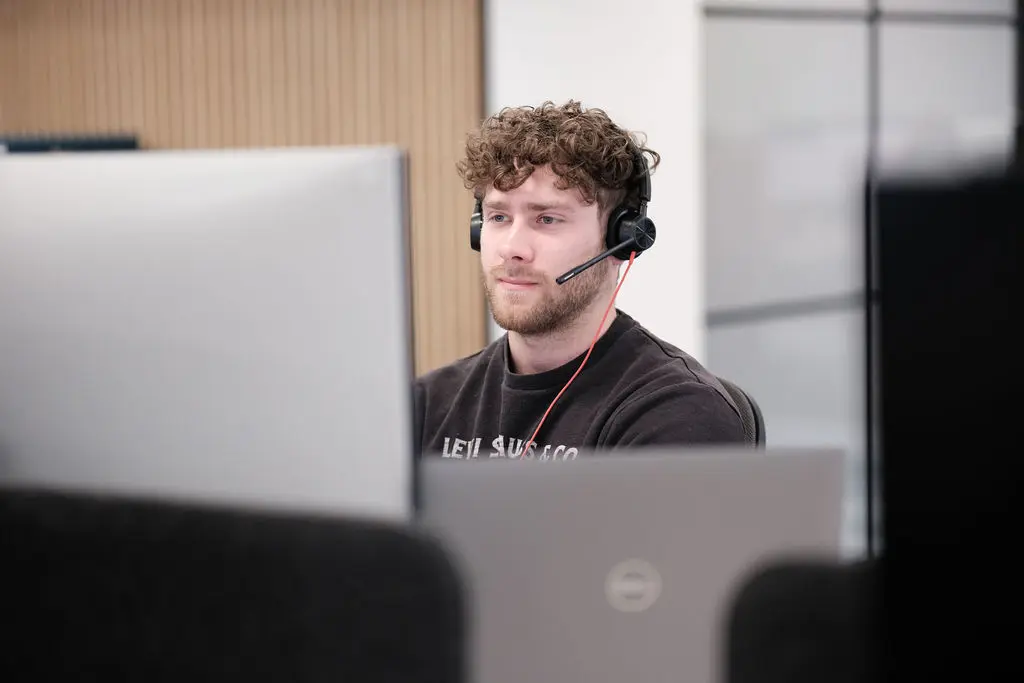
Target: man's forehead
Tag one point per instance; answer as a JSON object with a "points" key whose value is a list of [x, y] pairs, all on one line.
{"points": [[498, 200], [535, 197]]}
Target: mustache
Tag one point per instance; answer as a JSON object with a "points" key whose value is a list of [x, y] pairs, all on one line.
{"points": [[517, 273]]}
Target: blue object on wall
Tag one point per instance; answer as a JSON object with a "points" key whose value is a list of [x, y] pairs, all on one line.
{"points": [[20, 144]]}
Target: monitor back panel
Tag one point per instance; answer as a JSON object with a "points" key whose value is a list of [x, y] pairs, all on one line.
{"points": [[208, 324]]}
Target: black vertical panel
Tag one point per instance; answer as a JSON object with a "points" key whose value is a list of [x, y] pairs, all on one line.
{"points": [[950, 362]]}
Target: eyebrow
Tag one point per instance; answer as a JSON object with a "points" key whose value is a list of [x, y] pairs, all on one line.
{"points": [[532, 206]]}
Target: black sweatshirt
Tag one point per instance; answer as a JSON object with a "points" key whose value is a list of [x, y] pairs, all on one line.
{"points": [[635, 390]]}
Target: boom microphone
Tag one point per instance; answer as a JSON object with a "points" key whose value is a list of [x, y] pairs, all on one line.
{"points": [[641, 239], [562, 279]]}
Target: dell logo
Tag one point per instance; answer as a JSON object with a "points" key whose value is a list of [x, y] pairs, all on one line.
{"points": [[632, 586]]}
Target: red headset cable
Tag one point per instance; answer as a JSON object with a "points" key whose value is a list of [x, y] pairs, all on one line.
{"points": [[597, 335]]}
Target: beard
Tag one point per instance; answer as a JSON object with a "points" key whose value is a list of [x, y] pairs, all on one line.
{"points": [[548, 307]]}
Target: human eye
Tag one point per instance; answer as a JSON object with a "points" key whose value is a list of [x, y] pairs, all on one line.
{"points": [[496, 217], [547, 220]]}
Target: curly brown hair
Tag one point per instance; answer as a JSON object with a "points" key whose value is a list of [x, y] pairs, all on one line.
{"points": [[585, 149]]}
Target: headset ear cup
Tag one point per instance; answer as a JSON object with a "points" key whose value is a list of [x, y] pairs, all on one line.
{"points": [[476, 224], [626, 230], [618, 227], [627, 225]]}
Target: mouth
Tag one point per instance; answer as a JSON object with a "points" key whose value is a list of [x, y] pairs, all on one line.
{"points": [[513, 283]]}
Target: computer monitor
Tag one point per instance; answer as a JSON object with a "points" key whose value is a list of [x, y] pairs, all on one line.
{"points": [[226, 326]]}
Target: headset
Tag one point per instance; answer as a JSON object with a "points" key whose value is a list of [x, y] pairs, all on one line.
{"points": [[629, 231]]}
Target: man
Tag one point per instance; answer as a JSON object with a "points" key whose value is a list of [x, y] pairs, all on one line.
{"points": [[548, 180]]}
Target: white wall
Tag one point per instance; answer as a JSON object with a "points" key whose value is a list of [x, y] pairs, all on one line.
{"points": [[639, 61]]}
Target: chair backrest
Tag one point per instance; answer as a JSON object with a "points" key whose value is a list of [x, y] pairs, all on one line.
{"points": [[750, 413], [102, 587], [802, 620]]}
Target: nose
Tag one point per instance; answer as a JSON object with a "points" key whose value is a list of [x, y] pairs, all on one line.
{"points": [[516, 243]]}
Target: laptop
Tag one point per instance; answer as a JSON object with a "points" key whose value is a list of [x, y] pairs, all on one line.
{"points": [[612, 568]]}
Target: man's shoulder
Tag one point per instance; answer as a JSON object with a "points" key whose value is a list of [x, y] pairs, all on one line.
{"points": [[656, 356], [459, 371], [667, 397], [662, 371]]}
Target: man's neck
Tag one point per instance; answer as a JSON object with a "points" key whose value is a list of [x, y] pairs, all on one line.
{"points": [[534, 354]]}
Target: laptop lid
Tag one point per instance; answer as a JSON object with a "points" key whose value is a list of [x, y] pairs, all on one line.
{"points": [[613, 568]]}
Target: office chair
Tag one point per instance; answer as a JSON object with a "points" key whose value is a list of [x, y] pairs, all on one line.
{"points": [[111, 588], [750, 413], [803, 620]]}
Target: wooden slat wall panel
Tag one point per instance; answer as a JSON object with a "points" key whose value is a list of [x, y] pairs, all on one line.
{"points": [[9, 86], [242, 73]]}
